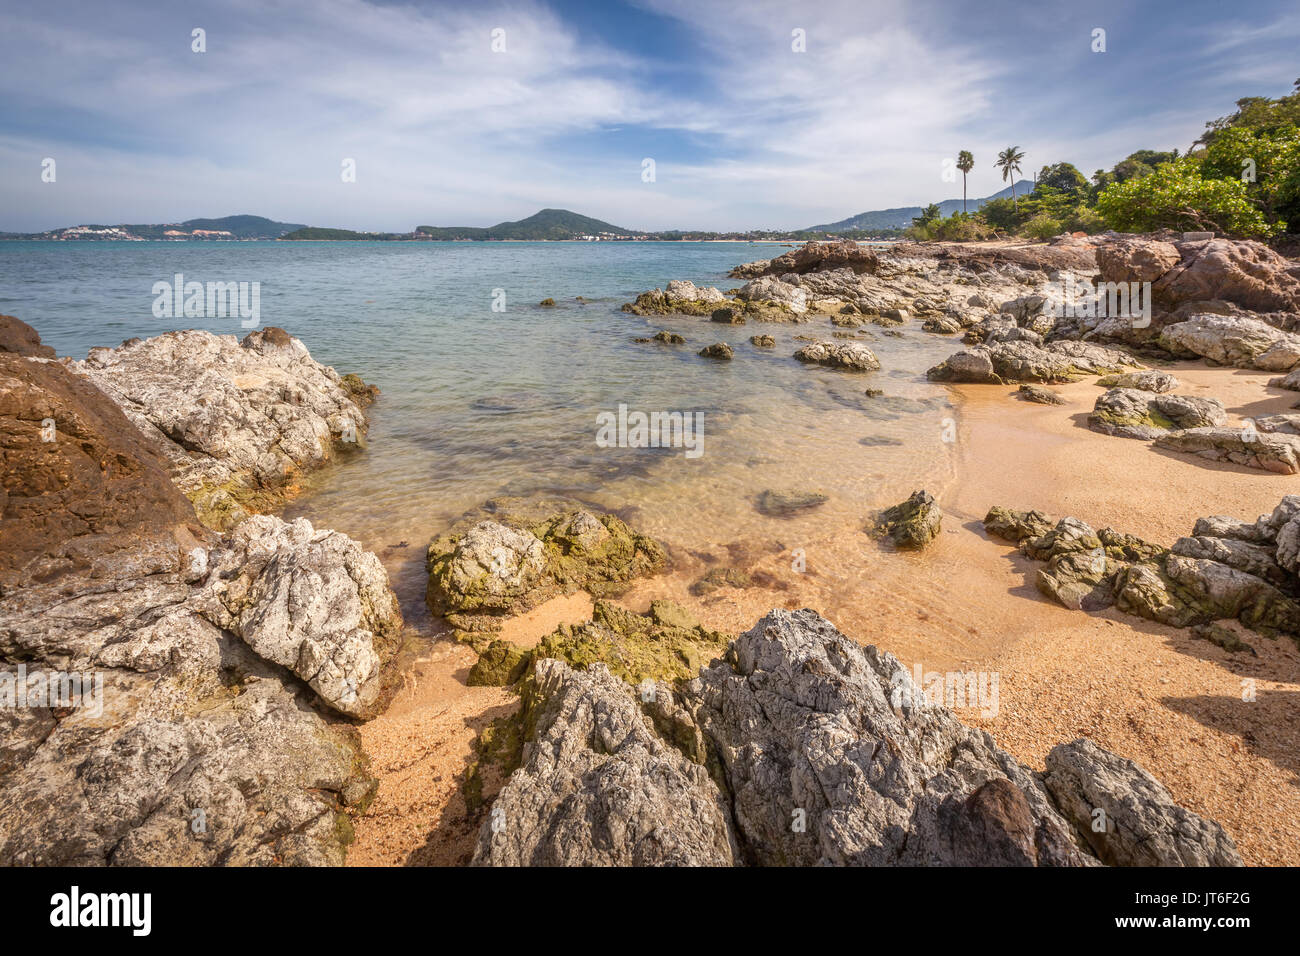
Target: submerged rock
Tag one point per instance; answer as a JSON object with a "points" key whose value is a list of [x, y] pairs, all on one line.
{"points": [[912, 524], [784, 504]]}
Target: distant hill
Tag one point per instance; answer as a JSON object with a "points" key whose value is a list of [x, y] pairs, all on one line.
{"points": [[902, 217], [319, 233], [228, 227], [547, 224]]}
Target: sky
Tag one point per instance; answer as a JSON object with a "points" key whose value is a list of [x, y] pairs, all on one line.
{"points": [[745, 128]]}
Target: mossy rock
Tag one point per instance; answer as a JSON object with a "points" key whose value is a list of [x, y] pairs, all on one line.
{"points": [[666, 644], [500, 664], [1016, 526], [911, 524], [361, 393]]}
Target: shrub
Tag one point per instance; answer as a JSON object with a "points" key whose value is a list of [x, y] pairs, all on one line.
{"points": [[1176, 196]]}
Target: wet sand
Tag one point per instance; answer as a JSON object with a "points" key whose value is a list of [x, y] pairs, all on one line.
{"points": [[1155, 694]]}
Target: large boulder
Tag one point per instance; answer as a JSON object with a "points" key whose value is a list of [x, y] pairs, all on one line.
{"points": [[599, 787], [1131, 413], [1022, 361], [1276, 452], [311, 601], [1232, 340], [814, 256], [1127, 816], [19, 338], [239, 421]]}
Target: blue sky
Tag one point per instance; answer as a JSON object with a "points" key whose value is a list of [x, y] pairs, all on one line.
{"points": [[745, 132]]}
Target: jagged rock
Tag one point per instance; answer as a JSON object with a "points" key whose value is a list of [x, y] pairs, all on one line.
{"points": [[598, 786], [728, 316], [500, 664], [772, 290], [1135, 259], [942, 325], [1040, 396], [1256, 559], [911, 524], [492, 569], [1147, 380], [1231, 340], [239, 421], [852, 356], [1131, 413], [1271, 452], [1020, 361], [762, 341], [666, 337], [1139, 824], [204, 753], [719, 350], [832, 756], [312, 602], [681, 290]]}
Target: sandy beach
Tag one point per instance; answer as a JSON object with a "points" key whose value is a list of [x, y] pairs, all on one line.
{"points": [[1155, 694]]}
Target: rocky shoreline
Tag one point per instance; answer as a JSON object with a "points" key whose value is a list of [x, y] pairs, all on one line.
{"points": [[239, 650]]}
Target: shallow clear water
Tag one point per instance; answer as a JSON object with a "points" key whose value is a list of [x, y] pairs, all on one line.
{"points": [[477, 403]]}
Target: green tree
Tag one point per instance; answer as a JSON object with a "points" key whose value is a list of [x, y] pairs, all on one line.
{"points": [[929, 214], [1176, 196], [1267, 161], [965, 162], [1009, 162]]}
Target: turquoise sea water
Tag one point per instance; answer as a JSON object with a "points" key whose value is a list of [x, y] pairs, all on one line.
{"points": [[477, 403]]}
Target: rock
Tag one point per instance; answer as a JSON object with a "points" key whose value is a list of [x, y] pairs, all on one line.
{"points": [[784, 504], [832, 756], [1040, 395], [312, 602], [491, 569], [942, 325], [598, 787], [813, 256], [912, 524], [1135, 259], [204, 753], [682, 297], [851, 356], [239, 421], [1016, 526], [667, 644], [1130, 413], [680, 290], [1147, 380], [769, 289], [728, 316], [1240, 271], [19, 338], [800, 747], [1230, 340], [762, 341], [669, 338], [547, 303], [1222, 635], [500, 664], [1256, 559], [1020, 361], [719, 350], [721, 578], [1276, 453], [1142, 826]]}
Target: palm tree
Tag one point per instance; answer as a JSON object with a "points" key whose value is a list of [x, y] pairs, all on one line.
{"points": [[1009, 162], [965, 162]]}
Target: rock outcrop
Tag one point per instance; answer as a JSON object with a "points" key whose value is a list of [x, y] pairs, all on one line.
{"points": [[1227, 569], [798, 748], [850, 356], [1231, 340], [239, 422], [170, 740], [1005, 363], [912, 524], [1251, 447]]}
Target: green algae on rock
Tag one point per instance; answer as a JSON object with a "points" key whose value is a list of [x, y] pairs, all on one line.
{"points": [[911, 524], [493, 569]]}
